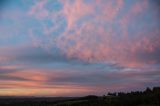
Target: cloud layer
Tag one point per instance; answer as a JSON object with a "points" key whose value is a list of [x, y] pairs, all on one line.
{"points": [[78, 47], [103, 31]]}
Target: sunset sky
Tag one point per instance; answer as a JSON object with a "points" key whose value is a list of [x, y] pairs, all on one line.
{"points": [[78, 47]]}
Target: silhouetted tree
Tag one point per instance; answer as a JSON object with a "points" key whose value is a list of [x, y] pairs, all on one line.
{"points": [[112, 94], [148, 90]]}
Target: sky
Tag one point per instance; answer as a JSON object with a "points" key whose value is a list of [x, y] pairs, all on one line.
{"points": [[78, 47]]}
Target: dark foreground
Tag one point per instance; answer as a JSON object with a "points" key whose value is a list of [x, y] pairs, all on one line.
{"points": [[146, 98]]}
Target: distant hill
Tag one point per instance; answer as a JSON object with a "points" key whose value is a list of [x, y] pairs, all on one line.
{"points": [[149, 97]]}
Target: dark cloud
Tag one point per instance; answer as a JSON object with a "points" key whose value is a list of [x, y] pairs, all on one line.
{"points": [[149, 57], [36, 55], [106, 78], [11, 78], [5, 70]]}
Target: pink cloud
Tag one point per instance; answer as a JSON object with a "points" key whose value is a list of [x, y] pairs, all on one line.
{"points": [[39, 10], [92, 41], [73, 11]]}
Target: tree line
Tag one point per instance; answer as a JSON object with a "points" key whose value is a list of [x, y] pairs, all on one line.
{"points": [[148, 97]]}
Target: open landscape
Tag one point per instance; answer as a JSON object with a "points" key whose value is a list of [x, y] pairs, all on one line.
{"points": [[149, 97]]}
